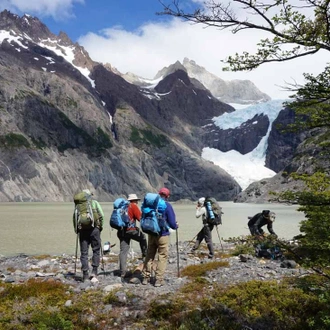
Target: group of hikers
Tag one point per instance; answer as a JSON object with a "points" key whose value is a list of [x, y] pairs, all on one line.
{"points": [[88, 221]]}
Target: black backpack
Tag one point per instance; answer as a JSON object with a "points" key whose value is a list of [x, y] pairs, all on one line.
{"points": [[213, 211]]}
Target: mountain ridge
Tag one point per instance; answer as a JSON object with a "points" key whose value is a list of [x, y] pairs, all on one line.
{"points": [[234, 91], [69, 123]]}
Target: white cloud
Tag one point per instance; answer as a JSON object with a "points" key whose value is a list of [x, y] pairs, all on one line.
{"points": [[58, 9], [156, 45]]}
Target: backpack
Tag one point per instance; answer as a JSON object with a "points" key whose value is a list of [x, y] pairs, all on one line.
{"points": [[213, 211], [152, 221], [262, 251], [119, 218], [83, 216]]}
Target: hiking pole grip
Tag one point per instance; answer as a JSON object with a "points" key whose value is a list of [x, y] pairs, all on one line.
{"points": [[177, 251]]}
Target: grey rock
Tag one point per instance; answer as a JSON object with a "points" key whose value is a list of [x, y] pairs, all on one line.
{"points": [[288, 264]]}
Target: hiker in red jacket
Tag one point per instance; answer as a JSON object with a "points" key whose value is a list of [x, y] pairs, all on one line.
{"points": [[132, 232]]}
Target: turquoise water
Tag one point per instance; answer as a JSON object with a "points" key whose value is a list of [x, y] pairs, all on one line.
{"points": [[46, 228]]}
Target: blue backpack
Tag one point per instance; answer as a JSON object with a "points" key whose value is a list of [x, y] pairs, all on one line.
{"points": [[119, 218], [152, 221]]}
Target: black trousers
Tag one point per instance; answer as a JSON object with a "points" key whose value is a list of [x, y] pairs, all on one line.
{"points": [[90, 237], [205, 233]]}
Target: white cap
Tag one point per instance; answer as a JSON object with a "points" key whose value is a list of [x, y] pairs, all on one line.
{"points": [[272, 216], [201, 200]]}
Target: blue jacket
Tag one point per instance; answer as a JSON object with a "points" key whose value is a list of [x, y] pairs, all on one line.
{"points": [[169, 216]]}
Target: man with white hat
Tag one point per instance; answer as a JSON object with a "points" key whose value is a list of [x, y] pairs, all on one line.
{"points": [[206, 232], [131, 232], [262, 219]]}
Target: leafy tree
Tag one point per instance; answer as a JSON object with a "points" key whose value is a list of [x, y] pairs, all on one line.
{"points": [[314, 201], [296, 29], [288, 23]]}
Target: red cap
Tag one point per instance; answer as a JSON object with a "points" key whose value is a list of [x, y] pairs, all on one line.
{"points": [[164, 191]]}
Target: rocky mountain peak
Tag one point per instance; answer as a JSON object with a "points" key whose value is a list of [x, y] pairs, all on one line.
{"points": [[64, 39], [24, 26], [170, 69], [178, 76], [187, 61]]}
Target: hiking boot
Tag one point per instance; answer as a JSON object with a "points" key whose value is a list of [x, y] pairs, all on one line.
{"points": [[85, 276], [159, 283], [94, 273], [210, 256], [145, 281], [134, 280]]}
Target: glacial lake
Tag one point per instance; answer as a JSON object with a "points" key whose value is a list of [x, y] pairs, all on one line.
{"points": [[46, 228]]}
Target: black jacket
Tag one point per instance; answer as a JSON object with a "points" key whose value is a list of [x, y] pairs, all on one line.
{"points": [[258, 221]]}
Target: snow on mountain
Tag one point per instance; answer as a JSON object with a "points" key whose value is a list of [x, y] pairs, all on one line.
{"points": [[68, 53], [64, 48], [250, 167]]}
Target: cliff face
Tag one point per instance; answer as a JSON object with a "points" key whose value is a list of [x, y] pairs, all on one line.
{"points": [[67, 125], [243, 139], [282, 142], [306, 157]]}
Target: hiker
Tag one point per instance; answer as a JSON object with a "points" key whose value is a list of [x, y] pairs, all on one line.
{"points": [[206, 231], [259, 220], [159, 243], [125, 234], [91, 236]]}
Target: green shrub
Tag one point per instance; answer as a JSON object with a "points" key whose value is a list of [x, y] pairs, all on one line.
{"points": [[202, 269], [146, 136], [104, 141], [13, 140]]}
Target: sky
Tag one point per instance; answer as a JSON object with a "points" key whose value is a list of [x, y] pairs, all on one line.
{"points": [[130, 36]]}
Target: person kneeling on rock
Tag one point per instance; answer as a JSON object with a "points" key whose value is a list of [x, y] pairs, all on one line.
{"points": [[261, 219]]}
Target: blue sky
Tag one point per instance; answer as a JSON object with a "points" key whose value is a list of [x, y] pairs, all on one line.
{"points": [[130, 36], [99, 14]]}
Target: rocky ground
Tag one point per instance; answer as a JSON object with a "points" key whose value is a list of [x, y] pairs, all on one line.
{"points": [[21, 268]]}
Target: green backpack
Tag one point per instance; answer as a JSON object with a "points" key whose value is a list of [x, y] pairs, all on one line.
{"points": [[214, 211], [83, 216]]}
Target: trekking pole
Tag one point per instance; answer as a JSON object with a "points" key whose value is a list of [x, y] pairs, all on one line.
{"points": [[191, 241], [219, 238], [103, 268], [177, 251], [76, 255]]}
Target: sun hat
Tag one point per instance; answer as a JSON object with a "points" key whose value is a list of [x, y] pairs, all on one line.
{"points": [[133, 197], [201, 200], [164, 191]]}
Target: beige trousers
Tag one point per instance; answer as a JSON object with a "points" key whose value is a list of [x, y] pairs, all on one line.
{"points": [[160, 245]]}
